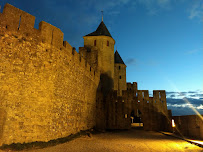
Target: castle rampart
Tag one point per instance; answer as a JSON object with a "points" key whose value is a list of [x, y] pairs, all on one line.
{"points": [[120, 109], [132, 86], [16, 19], [189, 126], [48, 90]]}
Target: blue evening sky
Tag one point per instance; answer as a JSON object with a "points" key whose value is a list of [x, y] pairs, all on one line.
{"points": [[159, 40]]}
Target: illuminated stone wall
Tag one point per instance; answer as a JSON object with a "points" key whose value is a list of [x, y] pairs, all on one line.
{"points": [[189, 126], [47, 90], [105, 58], [154, 113], [120, 78]]}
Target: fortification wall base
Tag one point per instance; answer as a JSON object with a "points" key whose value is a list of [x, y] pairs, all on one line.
{"points": [[47, 90], [117, 110], [189, 126]]}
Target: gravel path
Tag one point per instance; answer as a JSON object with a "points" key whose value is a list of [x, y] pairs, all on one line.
{"points": [[123, 141]]}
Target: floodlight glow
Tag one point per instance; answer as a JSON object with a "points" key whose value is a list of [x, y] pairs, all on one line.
{"points": [[173, 123]]}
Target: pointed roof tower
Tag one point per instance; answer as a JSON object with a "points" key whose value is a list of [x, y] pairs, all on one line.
{"points": [[117, 58], [101, 30]]}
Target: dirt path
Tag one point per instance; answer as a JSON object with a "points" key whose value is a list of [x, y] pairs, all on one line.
{"points": [[123, 141]]}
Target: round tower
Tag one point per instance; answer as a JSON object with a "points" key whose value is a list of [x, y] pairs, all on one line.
{"points": [[102, 41]]}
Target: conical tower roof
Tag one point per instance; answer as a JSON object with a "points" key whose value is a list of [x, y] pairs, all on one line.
{"points": [[101, 30], [117, 58]]}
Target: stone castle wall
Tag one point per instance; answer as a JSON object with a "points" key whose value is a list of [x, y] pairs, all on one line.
{"points": [[189, 126], [47, 90], [118, 109]]}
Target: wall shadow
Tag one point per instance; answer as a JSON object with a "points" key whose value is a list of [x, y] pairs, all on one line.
{"points": [[104, 90]]}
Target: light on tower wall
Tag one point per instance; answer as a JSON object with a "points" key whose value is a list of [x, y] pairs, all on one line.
{"points": [[173, 123]]}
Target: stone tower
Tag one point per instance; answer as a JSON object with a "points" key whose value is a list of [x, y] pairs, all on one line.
{"points": [[119, 74], [100, 45]]}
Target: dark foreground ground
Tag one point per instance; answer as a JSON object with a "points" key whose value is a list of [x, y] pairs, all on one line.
{"points": [[134, 140]]}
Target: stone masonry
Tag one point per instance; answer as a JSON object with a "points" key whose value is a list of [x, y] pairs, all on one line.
{"points": [[49, 91]]}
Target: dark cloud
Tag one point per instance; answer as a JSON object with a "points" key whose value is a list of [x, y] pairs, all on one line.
{"points": [[192, 92], [199, 95], [179, 111], [196, 95], [170, 92], [182, 93], [195, 102], [189, 94], [175, 101], [172, 96], [192, 95], [182, 106], [130, 61]]}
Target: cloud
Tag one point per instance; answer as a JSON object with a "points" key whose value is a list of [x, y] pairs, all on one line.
{"points": [[190, 94], [172, 96], [181, 93], [170, 92], [195, 102], [196, 11], [200, 107], [149, 63], [171, 101], [196, 95], [180, 107], [155, 6], [179, 111], [130, 61]]}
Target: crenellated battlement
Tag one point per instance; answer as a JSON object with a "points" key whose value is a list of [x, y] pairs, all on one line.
{"points": [[159, 96], [132, 86], [15, 19], [133, 104], [141, 98], [18, 22]]}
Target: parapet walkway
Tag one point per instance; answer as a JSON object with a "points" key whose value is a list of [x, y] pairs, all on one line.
{"points": [[123, 141], [195, 142]]}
